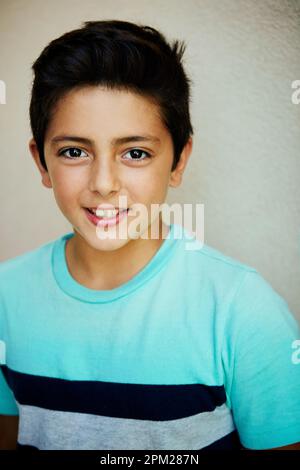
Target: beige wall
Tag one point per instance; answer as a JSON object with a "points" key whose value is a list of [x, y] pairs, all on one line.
{"points": [[242, 56]]}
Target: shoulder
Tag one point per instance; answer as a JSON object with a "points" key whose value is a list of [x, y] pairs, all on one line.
{"points": [[222, 261], [248, 293], [25, 266], [248, 296], [199, 251], [211, 268]]}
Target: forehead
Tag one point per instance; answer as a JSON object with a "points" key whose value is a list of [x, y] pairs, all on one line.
{"points": [[91, 110]]}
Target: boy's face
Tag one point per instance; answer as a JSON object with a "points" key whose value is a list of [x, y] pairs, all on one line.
{"points": [[103, 170]]}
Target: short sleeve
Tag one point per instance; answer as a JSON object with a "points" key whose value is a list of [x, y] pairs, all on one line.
{"points": [[8, 405], [261, 366]]}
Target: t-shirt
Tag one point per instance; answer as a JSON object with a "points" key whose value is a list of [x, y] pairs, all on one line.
{"points": [[195, 352]]}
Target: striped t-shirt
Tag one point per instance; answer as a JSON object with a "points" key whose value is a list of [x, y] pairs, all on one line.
{"points": [[195, 352]]}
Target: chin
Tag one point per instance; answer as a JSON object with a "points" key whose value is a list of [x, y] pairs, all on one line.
{"points": [[109, 245]]}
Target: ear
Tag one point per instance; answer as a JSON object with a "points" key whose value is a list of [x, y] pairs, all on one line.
{"points": [[46, 181], [176, 175]]}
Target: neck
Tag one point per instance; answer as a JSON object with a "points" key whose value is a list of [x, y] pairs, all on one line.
{"points": [[96, 269]]}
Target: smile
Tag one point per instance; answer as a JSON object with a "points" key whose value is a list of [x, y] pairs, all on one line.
{"points": [[105, 217]]}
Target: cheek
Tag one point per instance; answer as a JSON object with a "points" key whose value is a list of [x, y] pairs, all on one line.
{"points": [[151, 190], [159, 184], [66, 184]]}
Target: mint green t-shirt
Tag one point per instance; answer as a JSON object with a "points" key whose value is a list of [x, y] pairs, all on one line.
{"points": [[196, 351]]}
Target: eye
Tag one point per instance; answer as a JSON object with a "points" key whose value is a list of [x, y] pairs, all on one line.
{"points": [[74, 150], [135, 154]]}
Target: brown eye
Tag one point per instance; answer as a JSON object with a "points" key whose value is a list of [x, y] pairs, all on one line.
{"points": [[136, 154], [74, 153]]}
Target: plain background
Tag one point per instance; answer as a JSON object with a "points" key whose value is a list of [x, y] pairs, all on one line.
{"points": [[242, 56]]}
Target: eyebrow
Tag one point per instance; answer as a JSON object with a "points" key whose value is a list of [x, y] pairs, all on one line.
{"points": [[114, 142]]}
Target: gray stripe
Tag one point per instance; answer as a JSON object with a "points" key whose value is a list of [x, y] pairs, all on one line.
{"points": [[55, 430]]}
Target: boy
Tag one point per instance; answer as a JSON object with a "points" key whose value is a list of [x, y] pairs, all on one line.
{"points": [[134, 342]]}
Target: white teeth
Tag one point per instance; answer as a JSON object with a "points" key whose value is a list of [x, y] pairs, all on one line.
{"points": [[106, 213]]}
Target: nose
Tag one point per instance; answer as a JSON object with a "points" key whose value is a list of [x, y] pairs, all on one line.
{"points": [[104, 177]]}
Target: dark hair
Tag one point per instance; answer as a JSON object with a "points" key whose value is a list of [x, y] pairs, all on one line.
{"points": [[118, 55]]}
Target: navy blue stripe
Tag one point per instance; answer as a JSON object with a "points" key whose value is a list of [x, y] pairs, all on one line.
{"points": [[122, 400], [229, 442]]}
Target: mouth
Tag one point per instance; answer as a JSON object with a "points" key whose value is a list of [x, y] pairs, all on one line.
{"points": [[106, 213], [105, 217]]}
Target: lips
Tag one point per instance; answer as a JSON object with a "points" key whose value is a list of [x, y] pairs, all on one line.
{"points": [[103, 221]]}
